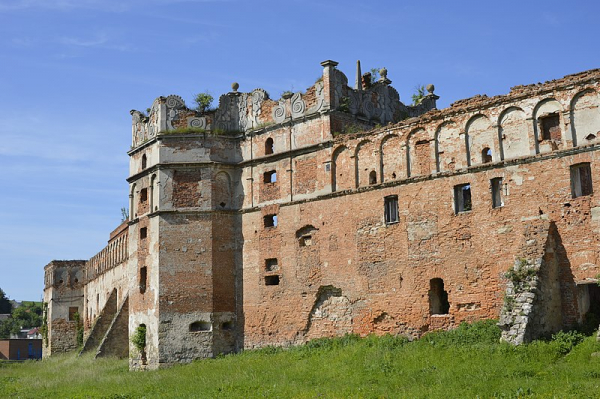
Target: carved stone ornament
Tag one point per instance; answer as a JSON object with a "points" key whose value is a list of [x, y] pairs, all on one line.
{"points": [[279, 112], [298, 106], [197, 122]]}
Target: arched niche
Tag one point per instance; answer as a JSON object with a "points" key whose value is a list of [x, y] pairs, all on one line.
{"points": [[479, 135], [222, 191], [342, 176], [449, 148], [365, 160], [392, 158], [548, 125], [420, 153], [514, 133], [585, 118]]}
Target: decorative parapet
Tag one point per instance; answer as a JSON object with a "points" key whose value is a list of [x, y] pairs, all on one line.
{"points": [[376, 103]]}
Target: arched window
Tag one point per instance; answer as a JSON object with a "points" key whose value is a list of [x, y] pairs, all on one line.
{"points": [[373, 177], [486, 155], [269, 147], [144, 161]]}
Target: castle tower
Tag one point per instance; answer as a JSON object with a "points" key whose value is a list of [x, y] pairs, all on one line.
{"points": [[182, 237], [63, 305]]}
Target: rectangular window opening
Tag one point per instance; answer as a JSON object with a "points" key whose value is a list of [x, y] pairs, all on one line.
{"points": [[391, 209], [550, 125], [143, 279], [270, 176], [73, 310], [144, 195], [270, 220], [497, 192], [143, 233], [271, 265], [581, 180], [271, 280], [462, 198]]}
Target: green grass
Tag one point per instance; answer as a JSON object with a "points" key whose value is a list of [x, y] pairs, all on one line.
{"points": [[466, 363]]}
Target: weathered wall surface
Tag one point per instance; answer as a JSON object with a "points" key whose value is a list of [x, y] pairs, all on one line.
{"points": [[63, 294], [272, 222]]}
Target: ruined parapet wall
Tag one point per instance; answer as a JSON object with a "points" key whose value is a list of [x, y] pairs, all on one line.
{"points": [[63, 296], [105, 272]]}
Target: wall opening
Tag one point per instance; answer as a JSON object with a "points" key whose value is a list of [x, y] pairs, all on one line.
{"points": [[143, 279], [581, 180], [227, 326], [462, 198], [269, 146], [272, 280], [305, 240], [390, 209], [73, 310], [438, 297], [550, 127], [144, 161], [144, 194], [199, 326], [496, 184], [143, 233], [270, 220], [486, 155], [271, 265], [270, 176], [373, 177], [588, 300]]}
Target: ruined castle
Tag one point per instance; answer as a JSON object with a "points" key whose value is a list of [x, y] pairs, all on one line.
{"points": [[342, 210]]}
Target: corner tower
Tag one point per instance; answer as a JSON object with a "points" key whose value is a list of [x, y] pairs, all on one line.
{"points": [[183, 236]]}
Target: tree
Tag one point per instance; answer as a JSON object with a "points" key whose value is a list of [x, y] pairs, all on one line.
{"points": [[28, 315], [203, 101], [5, 304]]}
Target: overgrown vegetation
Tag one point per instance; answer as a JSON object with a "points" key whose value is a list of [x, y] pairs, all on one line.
{"points": [[139, 338], [184, 130], [79, 323], [419, 94], [520, 273], [467, 362], [203, 101]]}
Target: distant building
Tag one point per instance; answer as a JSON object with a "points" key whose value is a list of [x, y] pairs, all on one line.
{"points": [[20, 349]]}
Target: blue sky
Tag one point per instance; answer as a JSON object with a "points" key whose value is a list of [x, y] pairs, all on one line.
{"points": [[72, 69]]}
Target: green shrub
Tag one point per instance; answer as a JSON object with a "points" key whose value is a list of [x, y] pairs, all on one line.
{"points": [[203, 101], [563, 342], [139, 338]]}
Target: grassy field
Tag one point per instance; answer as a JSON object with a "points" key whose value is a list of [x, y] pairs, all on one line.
{"points": [[465, 363]]}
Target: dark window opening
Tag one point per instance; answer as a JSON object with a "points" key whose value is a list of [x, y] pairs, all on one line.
{"points": [[373, 177], [270, 176], [269, 147], [497, 192], [271, 280], [438, 297], [271, 265], [227, 326], [462, 198], [305, 241], [270, 220], [143, 279], [144, 195], [581, 180], [486, 155], [198, 326], [144, 161], [589, 306], [390, 206], [550, 127], [143, 233], [73, 310], [393, 175]]}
